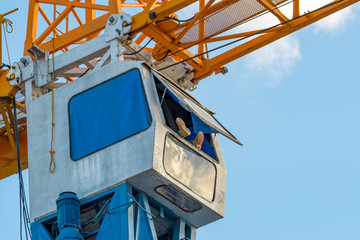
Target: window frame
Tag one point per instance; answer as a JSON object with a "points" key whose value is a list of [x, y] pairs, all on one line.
{"points": [[201, 153], [163, 120]]}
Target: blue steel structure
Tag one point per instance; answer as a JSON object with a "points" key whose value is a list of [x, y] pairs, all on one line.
{"points": [[126, 213]]}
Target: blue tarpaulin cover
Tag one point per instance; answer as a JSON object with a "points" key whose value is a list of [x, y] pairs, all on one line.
{"points": [[107, 113]]}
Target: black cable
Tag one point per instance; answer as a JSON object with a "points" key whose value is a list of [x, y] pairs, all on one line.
{"points": [[167, 54], [19, 168], [84, 72], [174, 18], [88, 69], [24, 211], [140, 48], [4, 65], [256, 33], [98, 216]]}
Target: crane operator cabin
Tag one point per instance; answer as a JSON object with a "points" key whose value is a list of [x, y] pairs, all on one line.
{"points": [[122, 124]]}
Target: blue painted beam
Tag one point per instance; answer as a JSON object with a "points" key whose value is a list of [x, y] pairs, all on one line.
{"points": [[125, 214]]}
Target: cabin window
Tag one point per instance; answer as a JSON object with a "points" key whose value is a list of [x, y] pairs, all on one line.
{"points": [[174, 108], [189, 168], [107, 113]]}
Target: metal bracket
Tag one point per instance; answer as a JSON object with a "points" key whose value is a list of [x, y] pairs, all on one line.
{"points": [[41, 59], [21, 71], [180, 73], [116, 30], [117, 26]]}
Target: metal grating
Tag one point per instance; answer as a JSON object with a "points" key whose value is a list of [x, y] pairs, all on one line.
{"points": [[225, 18]]}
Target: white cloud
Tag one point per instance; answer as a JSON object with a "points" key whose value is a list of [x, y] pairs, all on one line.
{"points": [[310, 5], [335, 23], [276, 60]]}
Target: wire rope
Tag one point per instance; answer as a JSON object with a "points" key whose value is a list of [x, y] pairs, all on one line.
{"points": [[52, 151], [9, 29], [140, 48]]}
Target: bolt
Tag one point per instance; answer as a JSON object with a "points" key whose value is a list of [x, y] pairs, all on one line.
{"points": [[118, 31], [111, 19], [13, 67], [23, 61], [224, 70], [125, 24], [152, 15], [121, 16]]}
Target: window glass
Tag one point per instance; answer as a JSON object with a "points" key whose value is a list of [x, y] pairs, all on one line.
{"points": [[203, 117], [190, 168], [107, 113]]}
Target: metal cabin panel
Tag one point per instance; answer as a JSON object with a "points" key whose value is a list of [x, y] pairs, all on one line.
{"points": [[91, 174], [138, 159]]}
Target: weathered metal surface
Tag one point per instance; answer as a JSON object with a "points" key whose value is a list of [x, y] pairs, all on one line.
{"points": [[137, 159]]}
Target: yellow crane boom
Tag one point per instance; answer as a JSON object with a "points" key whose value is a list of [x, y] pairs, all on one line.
{"points": [[185, 41]]}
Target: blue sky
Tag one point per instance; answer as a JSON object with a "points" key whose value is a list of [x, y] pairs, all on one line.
{"points": [[295, 106]]}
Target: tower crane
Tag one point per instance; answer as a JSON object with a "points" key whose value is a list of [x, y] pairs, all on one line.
{"points": [[78, 54], [182, 41]]}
